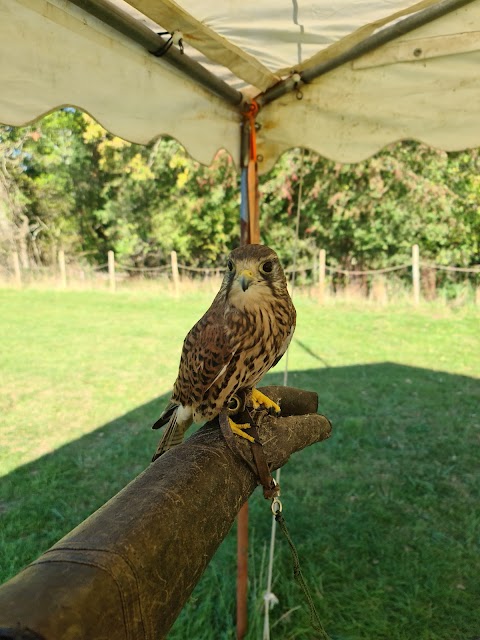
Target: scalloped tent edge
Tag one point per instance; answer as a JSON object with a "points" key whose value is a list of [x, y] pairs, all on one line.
{"points": [[422, 84]]}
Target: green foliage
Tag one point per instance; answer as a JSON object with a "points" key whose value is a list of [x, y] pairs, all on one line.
{"points": [[56, 172], [368, 215], [167, 201], [67, 182]]}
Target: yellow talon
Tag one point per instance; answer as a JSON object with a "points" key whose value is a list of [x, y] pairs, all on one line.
{"points": [[238, 429], [261, 400]]}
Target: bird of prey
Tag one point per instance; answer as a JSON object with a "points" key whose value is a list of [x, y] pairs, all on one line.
{"points": [[244, 333]]}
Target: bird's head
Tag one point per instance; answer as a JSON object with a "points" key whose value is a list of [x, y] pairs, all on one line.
{"points": [[254, 275]]}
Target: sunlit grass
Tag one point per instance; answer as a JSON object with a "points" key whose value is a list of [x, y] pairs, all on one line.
{"points": [[385, 513]]}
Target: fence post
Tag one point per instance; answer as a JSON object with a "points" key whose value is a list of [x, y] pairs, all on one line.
{"points": [[111, 270], [416, 273], [63, 272], [321, 275], [16, 268], [175, 275]]}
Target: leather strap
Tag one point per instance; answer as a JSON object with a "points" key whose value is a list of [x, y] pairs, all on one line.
{"points": [[270, 488], [259, 465]]}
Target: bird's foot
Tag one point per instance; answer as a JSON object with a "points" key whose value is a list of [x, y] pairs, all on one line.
{"points": [[261, 400], [238, 429]]}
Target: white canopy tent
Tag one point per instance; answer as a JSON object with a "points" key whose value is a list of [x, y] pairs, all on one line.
{"points": [[366, 72]]}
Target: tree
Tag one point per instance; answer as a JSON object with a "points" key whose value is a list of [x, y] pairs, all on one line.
{"points": [[67, 182], [369, 214]]}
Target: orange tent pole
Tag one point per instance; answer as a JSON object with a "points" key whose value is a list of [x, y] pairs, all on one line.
{"points": [[250, 234]]}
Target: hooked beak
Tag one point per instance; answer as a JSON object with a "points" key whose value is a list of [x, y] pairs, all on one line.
{"points": [[245, 278]]}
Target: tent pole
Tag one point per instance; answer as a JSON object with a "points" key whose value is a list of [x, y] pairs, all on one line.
{"points": [[374, 41], [249, 234], [114, 17], [249, 212]]}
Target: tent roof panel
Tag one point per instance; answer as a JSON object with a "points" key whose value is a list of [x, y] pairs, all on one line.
{"points": [[66, 57], [54, 53]]}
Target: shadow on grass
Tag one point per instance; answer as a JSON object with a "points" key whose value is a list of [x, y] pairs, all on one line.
{"points": [[384, 514], [43, 500]]}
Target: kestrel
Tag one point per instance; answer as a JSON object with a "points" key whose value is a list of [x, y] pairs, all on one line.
{"points": [[244, 333]]}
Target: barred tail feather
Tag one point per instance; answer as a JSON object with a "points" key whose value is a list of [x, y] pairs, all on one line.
{"points": [[167, 414], [174, 431]]}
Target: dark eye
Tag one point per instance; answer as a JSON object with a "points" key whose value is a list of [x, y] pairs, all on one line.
{"points": [[267, 267], [230, 265]]}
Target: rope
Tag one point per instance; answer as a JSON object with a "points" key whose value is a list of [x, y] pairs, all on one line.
{"points": [[473, 269], [300, 580], [141, 269], [269, 598], [293, 269], [206, 270], [251, 114], [100, 267], [367, 272]]}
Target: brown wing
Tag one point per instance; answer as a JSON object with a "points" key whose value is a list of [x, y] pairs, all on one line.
{"points": [[284, 347], [206, 354]]}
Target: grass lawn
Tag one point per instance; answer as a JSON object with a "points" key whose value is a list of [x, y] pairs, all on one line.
{"points": [[385, 514]]}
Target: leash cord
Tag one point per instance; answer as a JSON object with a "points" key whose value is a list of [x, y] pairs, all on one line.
{"points": [[300, 580]]}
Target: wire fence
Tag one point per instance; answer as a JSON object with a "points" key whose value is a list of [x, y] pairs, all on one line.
{"points": [[416, 280]]}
